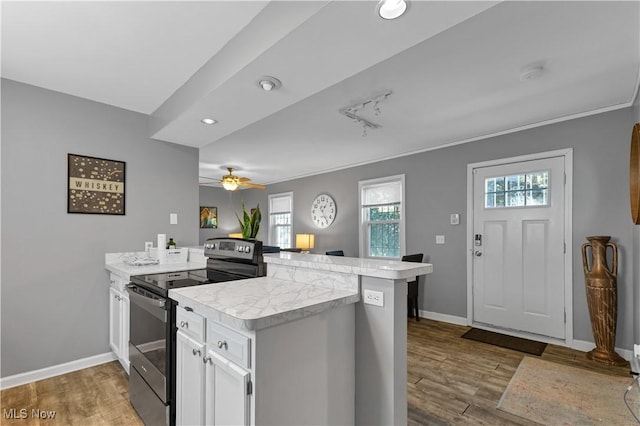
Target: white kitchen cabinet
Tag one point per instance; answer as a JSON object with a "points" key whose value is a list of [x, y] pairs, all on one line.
{"points": [[190, 378], [298, 372], [211, 388], [228, 387], [119, 320]]}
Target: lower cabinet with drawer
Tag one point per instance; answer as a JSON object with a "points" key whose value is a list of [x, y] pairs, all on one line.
{"points": [[292, 373], [213, 383]]}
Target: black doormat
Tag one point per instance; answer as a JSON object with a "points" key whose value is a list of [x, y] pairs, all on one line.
{"points": [[516, 343]]}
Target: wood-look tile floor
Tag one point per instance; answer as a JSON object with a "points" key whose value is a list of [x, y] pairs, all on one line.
{"points": [[450, 381], [94, 396], [458, 381]]}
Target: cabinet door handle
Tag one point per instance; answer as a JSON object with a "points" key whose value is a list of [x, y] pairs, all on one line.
{"points": [[222, 344], [207, 359], [196, 352], [184, 324]]}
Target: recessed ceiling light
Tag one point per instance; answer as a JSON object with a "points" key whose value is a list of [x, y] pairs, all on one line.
{"points": [[208, 121], [269, 83], [391, 9]]}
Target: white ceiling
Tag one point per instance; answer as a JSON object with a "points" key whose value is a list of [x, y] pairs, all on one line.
{"points": [[453, 67]]}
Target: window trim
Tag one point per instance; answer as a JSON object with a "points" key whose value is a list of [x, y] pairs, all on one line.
{"points": [[270, 233], [362, 231]]}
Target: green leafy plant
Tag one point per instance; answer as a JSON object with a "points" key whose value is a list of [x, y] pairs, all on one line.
{"points": [[250, 222]]}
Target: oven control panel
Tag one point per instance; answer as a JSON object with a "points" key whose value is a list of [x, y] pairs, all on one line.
{"points": [[235, 248]]}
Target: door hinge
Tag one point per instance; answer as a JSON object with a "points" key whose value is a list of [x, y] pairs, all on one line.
{"points": [[565, 248], [565, 317], [249, 387], [565, 178]]}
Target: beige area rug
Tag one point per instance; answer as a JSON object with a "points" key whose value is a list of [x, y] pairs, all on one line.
{"points": [[554, 394]]}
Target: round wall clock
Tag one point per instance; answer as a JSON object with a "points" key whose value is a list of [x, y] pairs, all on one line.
{"points": [[634, 174], [323, 210]]}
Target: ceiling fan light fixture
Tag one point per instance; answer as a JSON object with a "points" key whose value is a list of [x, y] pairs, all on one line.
{"points": [[269, 83], [229, 185], [208, 121], [391, 9]]}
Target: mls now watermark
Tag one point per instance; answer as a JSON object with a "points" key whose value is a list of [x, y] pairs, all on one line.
{"points": [[23, 413]]}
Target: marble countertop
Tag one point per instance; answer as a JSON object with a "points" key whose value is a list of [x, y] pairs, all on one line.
{"points": [[126, 271], [257, 303], [389, 269], [115, 262]]}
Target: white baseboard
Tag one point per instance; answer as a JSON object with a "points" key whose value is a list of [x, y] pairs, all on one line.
{"points": [[585, 346], [580, 345], [55, 370], [452, 319]]}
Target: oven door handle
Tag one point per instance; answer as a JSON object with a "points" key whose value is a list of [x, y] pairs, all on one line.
{"points": [[156, 307]]}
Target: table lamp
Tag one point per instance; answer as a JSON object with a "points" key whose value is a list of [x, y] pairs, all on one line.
{"points": [[305, 242]]}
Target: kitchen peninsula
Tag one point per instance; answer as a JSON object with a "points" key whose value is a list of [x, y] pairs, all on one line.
{"points": [[301, 345]]}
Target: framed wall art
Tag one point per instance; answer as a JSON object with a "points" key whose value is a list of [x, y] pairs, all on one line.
{"points": [[208, 217], [95, 185]]}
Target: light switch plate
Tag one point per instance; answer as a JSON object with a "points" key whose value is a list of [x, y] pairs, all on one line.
{"points": [[372, 297], [439, 239], [173, 218], [148, 245], [454, 219]]}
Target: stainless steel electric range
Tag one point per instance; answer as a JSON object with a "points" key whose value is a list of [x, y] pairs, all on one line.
{"points": [[152, 344]]}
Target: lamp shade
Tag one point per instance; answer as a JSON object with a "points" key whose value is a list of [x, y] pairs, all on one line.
{"points": [[305, 241]]}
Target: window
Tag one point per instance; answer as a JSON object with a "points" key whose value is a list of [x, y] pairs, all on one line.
{"points": [[523, 190], [382, 217], [280, 214]]}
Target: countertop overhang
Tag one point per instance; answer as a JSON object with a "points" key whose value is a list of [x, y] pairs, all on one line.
{"points": [[258, 303], [380, 268]]}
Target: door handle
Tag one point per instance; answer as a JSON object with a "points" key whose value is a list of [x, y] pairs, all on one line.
{"points": [[477, 253]]}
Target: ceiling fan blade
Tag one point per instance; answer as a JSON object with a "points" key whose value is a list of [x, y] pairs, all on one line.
{"points": [[243, 179], [252, 185]]}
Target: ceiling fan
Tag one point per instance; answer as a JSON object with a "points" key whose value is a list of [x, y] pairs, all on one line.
{"points": [[231, 182]]}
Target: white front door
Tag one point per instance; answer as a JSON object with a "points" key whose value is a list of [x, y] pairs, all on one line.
{"points": [[518, 251]]}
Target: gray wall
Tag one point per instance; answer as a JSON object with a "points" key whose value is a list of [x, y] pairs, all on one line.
{"points": [[54, 306], [636, 248], [436, 187]]}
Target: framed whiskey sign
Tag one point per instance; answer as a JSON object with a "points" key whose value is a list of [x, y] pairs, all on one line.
{"points": [[95, 185]]}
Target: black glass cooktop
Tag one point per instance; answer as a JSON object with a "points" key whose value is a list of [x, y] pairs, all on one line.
{"points": [[171, 280]]}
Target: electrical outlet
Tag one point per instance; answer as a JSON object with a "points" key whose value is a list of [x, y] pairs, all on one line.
{"points": [[173, 218], [372, 297], [636, 350], [148, 245], [439, 239]]}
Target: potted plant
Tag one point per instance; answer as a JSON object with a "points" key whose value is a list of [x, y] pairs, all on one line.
{"points": [[250, 222]]}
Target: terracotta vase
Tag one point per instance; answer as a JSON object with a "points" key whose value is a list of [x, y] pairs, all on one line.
{"points": [[602, 298]]}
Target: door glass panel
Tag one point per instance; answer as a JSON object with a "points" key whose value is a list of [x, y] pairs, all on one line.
{"points": [[521, 190]]}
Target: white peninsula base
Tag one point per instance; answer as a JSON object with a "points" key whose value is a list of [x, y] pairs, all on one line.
{"points": [[290, 368], [299, 346]]}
